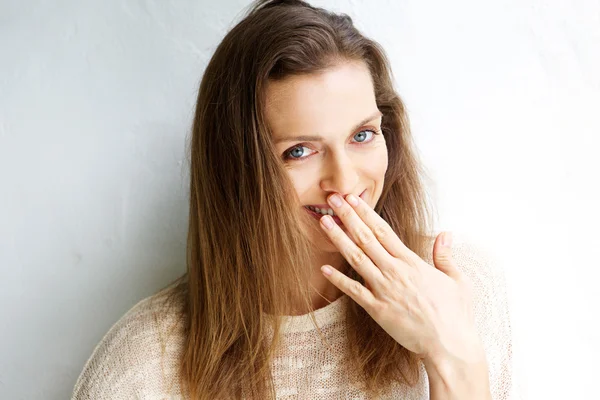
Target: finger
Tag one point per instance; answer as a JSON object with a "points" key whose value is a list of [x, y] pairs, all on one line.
{"points": [[381, 230], [351, 252], [354, 289], [442, 256], [360, 232]]}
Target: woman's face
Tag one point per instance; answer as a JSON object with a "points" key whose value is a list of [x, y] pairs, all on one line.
{"points": [[327, 131]]}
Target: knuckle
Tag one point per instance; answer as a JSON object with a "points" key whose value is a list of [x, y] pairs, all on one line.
{"points": [[357, 258], [444, 257], [363, 237], [380, 232], [356, 288]]}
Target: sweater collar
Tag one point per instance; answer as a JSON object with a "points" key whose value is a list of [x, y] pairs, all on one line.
{"points": [[327, 315]]}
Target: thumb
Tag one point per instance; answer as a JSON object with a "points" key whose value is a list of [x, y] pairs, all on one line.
{"points": [[442, 255]]}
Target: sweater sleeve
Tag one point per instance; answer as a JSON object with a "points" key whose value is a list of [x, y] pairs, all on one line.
{"points": [[492, 316], [131, 361]]}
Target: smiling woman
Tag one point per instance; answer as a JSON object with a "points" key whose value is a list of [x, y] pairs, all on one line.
{"points": [[312, 268], [340, 153]]}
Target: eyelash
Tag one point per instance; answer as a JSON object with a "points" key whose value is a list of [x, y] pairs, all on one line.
{"points": [[287, 157]]}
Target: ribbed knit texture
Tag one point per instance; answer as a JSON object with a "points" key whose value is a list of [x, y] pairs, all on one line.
{"points": [[138, 357]]}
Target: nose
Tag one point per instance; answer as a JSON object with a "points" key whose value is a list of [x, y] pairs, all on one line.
{"points": [[340, 175]]}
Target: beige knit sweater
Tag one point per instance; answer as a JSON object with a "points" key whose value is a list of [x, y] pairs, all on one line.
{"points": [[132, 361]]}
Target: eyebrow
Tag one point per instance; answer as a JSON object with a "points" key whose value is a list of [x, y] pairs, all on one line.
{"points": [[377, 114]]}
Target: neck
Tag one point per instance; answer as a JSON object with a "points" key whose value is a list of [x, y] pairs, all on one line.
{"points": [[326, 292]]}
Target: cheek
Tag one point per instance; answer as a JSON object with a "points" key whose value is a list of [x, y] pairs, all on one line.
{"points": [[376, 163], [304, 179], [383, 160]]}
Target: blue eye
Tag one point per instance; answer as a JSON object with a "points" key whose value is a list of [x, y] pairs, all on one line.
{"points": [[295, 153], [363, 135]]}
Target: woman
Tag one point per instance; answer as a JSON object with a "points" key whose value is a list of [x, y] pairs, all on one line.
{"points": [[297, 117]]}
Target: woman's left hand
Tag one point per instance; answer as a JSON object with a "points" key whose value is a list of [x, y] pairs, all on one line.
{"points": [[427, 310]]}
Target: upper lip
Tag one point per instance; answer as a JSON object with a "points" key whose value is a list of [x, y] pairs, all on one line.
{"points": [[327, 205]]}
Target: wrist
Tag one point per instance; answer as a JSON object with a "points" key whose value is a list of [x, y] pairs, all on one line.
{"points": [[464, 376]]}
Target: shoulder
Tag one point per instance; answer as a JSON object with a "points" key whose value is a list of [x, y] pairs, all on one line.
{"points": [[138, 356]]}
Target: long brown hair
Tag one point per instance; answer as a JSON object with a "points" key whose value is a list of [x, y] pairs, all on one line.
{"points": [[244, 251]]}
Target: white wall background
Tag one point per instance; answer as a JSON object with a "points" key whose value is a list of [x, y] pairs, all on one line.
{"points": [[96, 102]]}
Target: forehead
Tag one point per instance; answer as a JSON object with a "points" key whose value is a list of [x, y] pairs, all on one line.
{"points": [[323, 103]]}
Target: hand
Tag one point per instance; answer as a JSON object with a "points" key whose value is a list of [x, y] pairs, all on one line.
{"points": [[427, 310]]}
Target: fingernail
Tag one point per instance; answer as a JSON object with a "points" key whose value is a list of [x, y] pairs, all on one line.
{"points": [[327, 221], [326, 270], [352, 200], [335, 200]]}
